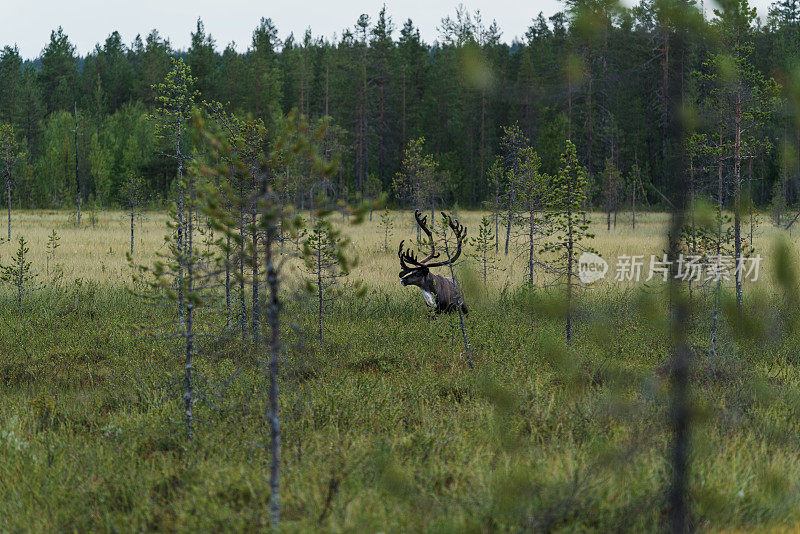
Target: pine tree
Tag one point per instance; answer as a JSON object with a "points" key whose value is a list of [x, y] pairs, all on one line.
{"points": [[418, 179], [18, 273], [743, 99], [325, 263], [531, 186], [508, 166], [59, 74], [292, 141], [202, 60], [568, 230], [386, 225], [484, 245], [175, 98], [53, 242], [264, 75], [12, 86], [133, 195]]}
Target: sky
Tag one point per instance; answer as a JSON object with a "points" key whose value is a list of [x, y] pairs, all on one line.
{"points": [[87, 22]]}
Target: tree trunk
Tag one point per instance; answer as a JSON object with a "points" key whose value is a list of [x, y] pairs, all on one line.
{"points": [[273, 365], [510, 218], [228, 282], [751, 204], [242, 233], [737, 230], [531, 227], [664, 107], [569, 266], [77, 175], [319, 290], [186, 259], [181, 221], [133, 215], [635, 185], [256, 305], [8, 194], [459, 304]]}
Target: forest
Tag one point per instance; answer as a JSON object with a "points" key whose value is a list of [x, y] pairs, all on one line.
{"points": [[604, 76]]}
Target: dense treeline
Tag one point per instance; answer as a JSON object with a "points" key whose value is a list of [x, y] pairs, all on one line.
{"points": [[604, 76]]}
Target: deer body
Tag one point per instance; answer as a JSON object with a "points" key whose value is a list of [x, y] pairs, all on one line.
{"points": [[440, 292]]}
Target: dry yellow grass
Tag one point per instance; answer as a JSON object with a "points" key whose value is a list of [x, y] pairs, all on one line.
{"points": [[97, 251]]}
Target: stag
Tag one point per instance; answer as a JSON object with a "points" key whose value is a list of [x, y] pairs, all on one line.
{"points": [[440, 292]]}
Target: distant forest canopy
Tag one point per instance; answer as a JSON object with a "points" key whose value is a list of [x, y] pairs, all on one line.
{"points": [[607, 77]]}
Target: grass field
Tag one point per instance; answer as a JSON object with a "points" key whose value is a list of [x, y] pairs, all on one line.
{"points": [[386, 428]]}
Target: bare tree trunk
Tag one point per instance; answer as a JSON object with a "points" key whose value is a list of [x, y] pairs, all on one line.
{"points": [[256, 304], [589, 125], [77, 175], [570, 253], [531, 229], [510, 218], [680, 412], [187, 260], [319, 288], [273, 363], [633, 223], [751, 206], [485, 265], [718, 285], [181, 221], [8, 194], [242, 297], [228, 282], [737, 230], [664, 105], [133, 216], [483, 141], [496, 209], [459, 304]]}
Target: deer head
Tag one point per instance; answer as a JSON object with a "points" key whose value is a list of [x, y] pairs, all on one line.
{"points": [[416, 272]]}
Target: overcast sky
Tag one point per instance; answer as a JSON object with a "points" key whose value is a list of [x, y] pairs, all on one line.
{"points": [[28, 23]]}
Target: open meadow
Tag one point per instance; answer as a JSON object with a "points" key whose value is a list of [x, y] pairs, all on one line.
{"points": [[385, 427]]}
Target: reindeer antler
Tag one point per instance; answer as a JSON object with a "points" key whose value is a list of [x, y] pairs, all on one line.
{"points": [[407, 256], [422, 222], [460, 231]]}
